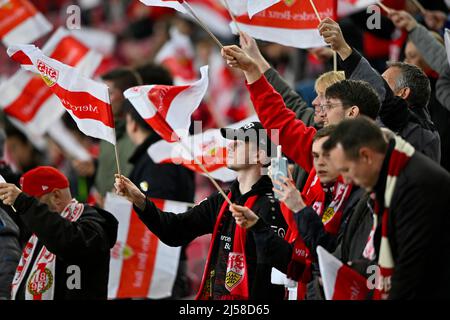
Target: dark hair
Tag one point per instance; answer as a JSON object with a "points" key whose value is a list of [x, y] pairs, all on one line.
{"points": [[130, 110], [416, 80], [356, 93], [353, 134], [123, 78], [324, 132], [154, 74], [12, 131]]}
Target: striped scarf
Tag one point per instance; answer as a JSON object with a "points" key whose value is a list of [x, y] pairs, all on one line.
{"points": [[400, 157]]}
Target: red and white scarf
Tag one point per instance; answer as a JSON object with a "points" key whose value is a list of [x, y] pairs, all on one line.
{"points": [[236, 278], [40, 284], [300, 267], [400, 157]]}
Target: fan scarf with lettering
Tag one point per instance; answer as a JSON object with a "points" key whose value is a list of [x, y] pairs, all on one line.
{"points": [[40, 284], [299, 269], [236, 281], [400, 157]]}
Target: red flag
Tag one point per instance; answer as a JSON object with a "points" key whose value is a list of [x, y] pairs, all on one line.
{"points": [[20, 22], [168, 109], [28, 101], [340, 282], [289, 22], [86, 101], [141, 265]]}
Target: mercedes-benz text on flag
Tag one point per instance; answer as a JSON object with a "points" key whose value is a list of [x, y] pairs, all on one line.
{"points": [[21, 23], [288, 22], [87, 101], [168, 109]]}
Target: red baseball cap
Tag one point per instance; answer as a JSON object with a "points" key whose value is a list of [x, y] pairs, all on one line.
{"points": [[43, 180]]}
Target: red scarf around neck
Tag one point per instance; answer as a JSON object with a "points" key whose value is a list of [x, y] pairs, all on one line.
{"points": [[236, 281], [400, 157]]}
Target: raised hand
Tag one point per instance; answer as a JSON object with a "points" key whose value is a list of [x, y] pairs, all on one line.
{"points": [[249, 45], [9, 193], [126, 188], [403, 20], [288, 194], [238, 58], [332, 35]]}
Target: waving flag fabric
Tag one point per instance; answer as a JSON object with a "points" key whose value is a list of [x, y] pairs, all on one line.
{"points": [[86, 101], [289, 22], [255, 6], [28, 101], [21, 23], [209, 147], [348, 7], [141, 266], [340, 282], [168, 109]]}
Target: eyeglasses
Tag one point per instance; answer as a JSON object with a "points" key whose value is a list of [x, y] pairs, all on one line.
{"points": [[328, 106]]}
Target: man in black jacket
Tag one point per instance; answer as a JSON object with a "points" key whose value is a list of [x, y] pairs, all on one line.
{"points": [[410, 192], [67, 257], [232, 268], [9, 253]]}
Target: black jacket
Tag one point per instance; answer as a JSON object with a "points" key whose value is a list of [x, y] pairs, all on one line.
{"points": [[85, 243], [278, 252], [412, 123], [181, 229], [10, 253], [418, 229], [163, 181]]}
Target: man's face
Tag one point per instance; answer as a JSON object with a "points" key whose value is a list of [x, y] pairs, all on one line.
{"points": [[413, 56], [359, 172], [326, 172], [391, 75], [319, 114], [116, 97], [241, 155], [334, 112]]}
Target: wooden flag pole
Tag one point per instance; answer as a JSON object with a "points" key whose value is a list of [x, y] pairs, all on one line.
{"points": [[335, 68], [232, 16], [384, 7], [419, 6], [188, 150], [188, 7]]}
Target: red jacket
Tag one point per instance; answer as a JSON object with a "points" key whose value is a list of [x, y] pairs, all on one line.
{"points": [[295, 137]]}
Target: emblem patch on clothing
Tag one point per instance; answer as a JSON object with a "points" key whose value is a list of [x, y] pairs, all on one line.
{"points": [[40, 281], [235, 270]]}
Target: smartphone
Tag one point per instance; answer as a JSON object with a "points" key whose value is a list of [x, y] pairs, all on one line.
{"points": [[279, 167]]}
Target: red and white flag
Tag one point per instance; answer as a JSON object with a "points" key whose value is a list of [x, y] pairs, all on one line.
{"points": [[87, 101], [209, 147], [340, 282], [141, 266], [28, 101], [21, 23], [348, 7], [289, 22], [178, 56], [168, 109], [255, 6], [211, 12]]}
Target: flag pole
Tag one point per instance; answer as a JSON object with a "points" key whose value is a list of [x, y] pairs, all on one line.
{"points": [[188, 7], [188, 150], [335, 68], [232, 16], [419, 6], [117, 156]]}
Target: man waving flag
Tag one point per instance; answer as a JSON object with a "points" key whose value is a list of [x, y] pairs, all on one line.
{"points": [[168, 109], [86, 101]]}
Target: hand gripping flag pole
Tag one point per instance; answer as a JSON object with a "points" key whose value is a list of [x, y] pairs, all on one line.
{"points": [[320, 20]]}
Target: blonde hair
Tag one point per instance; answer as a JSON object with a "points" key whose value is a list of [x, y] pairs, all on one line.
{"points": [[329, 78]]}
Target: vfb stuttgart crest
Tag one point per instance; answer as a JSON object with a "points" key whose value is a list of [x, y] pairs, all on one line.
{"points": [[235, 270], [289, 2], [48, 73], [40, 281]]}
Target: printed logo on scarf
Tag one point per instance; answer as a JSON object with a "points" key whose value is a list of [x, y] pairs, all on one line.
{"points": [[48, 74], [40, 281], [328, 214], [235, 270]]}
